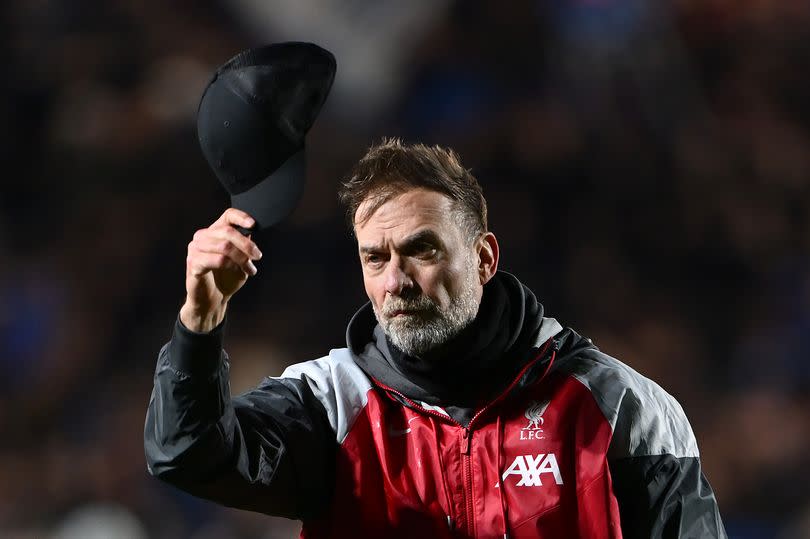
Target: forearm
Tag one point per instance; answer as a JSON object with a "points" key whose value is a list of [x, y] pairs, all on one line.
{"points": [[238, 451], [190, 399]]}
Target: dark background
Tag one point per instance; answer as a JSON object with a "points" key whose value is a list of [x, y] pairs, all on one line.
{"points": [[646, 170]]}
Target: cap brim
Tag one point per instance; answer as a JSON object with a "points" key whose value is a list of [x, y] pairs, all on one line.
{"points": [[275, 197]]}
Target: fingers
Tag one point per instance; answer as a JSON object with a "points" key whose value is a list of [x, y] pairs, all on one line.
{"points": [[233, 216], [228, 234], [224, 242], [221, 246], [200, 263], [226, 223]]}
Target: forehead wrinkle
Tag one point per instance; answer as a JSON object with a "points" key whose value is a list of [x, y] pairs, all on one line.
{"points": [[373, 205], [408, 213], [424, 234]]}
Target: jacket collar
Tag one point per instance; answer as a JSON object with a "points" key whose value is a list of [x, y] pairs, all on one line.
{"points": [[475, 366]]}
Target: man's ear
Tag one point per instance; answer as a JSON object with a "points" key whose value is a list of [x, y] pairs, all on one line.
{"points": [[487, 257]]}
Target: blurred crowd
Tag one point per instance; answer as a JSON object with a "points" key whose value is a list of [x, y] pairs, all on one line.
{"points": [[646, 169]]}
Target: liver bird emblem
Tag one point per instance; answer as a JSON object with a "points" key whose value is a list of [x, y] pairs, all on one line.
{"points": [[534, 413]]}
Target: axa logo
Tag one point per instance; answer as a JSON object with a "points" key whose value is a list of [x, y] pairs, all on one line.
{"points": [[530, 468], [534, 413]]}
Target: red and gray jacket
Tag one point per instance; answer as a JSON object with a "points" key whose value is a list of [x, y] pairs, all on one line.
{"points": [[577, 444]]}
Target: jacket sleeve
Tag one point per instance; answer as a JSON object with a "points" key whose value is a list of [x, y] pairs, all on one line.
{"points": [[665, 496], [271, 450], [656, 473]]}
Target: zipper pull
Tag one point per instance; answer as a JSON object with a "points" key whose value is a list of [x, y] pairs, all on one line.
{"points": [[466, 435], [449, 523]]}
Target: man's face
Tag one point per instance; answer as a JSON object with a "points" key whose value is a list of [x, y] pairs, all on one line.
{"points": [[420, 269]]}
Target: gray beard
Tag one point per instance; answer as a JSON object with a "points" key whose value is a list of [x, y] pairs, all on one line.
{"points": [[429, 327]]}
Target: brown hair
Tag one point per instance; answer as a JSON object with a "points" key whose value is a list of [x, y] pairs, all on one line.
{"points": [[391, 168]]}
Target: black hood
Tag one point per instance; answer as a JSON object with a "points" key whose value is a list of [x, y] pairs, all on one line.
{"points": [[471, 368]]}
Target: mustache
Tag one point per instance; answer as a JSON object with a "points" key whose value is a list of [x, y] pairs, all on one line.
{"points": [[418, 303]]}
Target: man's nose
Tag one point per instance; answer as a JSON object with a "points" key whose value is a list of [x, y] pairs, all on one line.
{"points": [[396, 278]]}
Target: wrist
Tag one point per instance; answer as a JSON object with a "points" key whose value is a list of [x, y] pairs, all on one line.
{"points": [[201, 320]]}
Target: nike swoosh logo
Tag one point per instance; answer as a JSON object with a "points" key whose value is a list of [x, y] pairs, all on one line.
{"points": [[400, 432]]}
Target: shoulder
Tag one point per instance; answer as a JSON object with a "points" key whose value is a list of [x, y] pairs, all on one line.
{"points": [[337, 382], [334, 374], [646, 420], [338, 364]]}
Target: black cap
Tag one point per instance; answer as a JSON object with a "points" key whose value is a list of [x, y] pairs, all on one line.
{"points": [[252, 120]]}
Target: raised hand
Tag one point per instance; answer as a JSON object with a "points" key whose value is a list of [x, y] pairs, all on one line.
{"points": [[220, 260]]}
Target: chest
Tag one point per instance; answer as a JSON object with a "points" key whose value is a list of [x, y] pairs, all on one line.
{"points": [[533, 466]]}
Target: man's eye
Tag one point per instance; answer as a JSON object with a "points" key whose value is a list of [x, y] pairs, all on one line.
{"points": [[373, 260]]}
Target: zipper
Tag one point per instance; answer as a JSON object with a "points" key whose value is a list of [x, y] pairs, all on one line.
{"points": [[466, 466], [467, 432], [415, 405], [479, 413], [451, 524], [517, 378]]}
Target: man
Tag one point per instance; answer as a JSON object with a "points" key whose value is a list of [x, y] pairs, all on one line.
{"points": [[456, 410]]}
